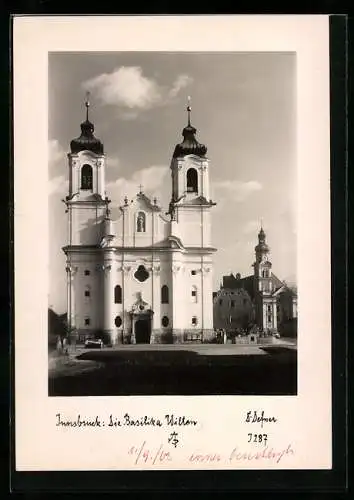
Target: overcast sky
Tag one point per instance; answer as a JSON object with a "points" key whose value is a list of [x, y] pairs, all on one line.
{"points": [[243, 106]]}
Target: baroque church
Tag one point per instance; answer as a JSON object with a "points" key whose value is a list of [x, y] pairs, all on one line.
{"points": [[145, 277], [261, 298]]}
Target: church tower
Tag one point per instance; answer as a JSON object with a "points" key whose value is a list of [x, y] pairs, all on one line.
{"points": [[190, 211], [190, 203], [86, 208], [266, 313], [86, 201], [262, 265]]}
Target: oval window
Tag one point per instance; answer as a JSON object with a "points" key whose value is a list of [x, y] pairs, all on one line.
{"points": [[165, 321], [118, 321]]}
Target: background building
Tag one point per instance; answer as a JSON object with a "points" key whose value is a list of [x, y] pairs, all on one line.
{"points": [[261, 298], [233, 309]]}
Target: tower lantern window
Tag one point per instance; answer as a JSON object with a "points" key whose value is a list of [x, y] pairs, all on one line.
{"points": [[86, 177], [192, 180]]}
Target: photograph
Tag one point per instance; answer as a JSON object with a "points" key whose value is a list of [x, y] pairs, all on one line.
{"points": [[172, 246], [172, 198]]}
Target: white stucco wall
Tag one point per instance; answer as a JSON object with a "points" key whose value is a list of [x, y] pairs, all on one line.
{"points": [[168, 263]]}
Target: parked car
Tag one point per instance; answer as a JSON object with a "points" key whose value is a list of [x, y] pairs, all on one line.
{"points": [[94, 343]]}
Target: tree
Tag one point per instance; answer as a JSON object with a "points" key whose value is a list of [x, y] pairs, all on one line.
{"points": [[56, 327], [69, 334]]}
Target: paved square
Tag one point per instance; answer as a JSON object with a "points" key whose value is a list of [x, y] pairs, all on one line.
{"points": [[175, 370]]}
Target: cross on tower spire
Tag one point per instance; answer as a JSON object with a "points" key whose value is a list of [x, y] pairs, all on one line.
{"points": [[189, 109], [140, 188], [87, 104]]}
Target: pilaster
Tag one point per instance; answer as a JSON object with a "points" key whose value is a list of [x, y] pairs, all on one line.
{"points": [[264, 315], [70, 274], [179, 297], [127, 322], [156, 297], [108, 287], [275, 323]]}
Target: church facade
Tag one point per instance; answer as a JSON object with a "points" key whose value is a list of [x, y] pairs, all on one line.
{"points": [[261, 298], [144, 276]]}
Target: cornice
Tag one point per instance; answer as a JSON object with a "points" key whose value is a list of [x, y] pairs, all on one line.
{"points": [[196, 203], [130, 249], [98, 201]]}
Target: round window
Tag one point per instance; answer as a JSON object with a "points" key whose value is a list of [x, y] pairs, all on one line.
{"points": [[165, 321], [118, 321]]}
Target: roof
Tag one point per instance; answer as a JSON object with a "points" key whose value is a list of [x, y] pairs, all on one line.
{"points": [[189, 145], [233, 282], [247, 283], [86, 141], [232, 292], [142, 197]]}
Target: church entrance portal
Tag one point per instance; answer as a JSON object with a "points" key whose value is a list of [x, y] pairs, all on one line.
{"points": [[143, 331]]}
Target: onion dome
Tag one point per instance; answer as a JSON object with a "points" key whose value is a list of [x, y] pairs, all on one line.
{"points": [[86, 141], [189, 145], [261, 236], [262, 245]]}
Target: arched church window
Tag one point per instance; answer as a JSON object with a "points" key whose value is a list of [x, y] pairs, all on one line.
{"points": [[141, 222], [118, 294], [192, 180], [118, 321], [165, 321], [86, 177], [164, 294], [194, 294]]}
